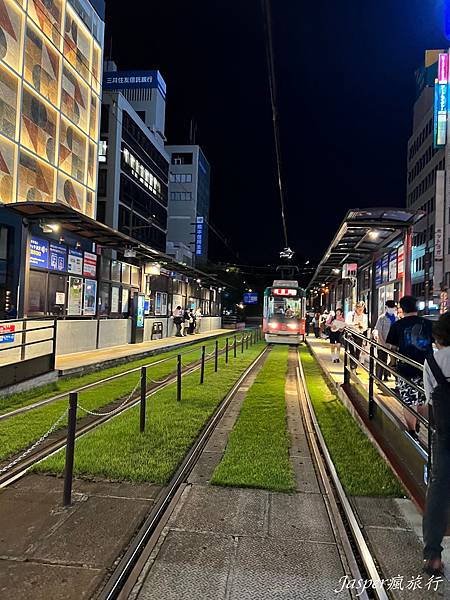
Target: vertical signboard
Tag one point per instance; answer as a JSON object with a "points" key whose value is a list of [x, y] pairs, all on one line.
{"points": [[439, 232], [378, 273], [441, 102], [75, 303], [199, 236], [401, 261], [385, 268], [75, 262], [393, 265]]}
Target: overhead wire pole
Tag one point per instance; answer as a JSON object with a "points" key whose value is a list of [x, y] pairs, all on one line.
{"points": [[273, 99]]}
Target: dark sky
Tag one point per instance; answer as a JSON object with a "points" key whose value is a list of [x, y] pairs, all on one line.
{"points": [[345, 75]]}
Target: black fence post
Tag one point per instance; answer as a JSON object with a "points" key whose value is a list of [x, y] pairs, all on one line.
{"points": [[70, 448], [179, 378], [143, 397], [371, 380], [234, 347], [242, 343], [246, 341], [346, 351], [226, 351], [216, 356], [202, 365]]}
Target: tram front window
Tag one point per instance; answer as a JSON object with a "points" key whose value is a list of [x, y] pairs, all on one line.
{"points": [[283, 309]]}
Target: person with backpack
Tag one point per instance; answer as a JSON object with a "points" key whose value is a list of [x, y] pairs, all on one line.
{"points": [[384, 323], [412, 337], [437, 392], [336, 324]]}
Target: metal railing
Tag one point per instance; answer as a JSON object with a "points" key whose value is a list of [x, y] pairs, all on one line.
{"points": [[362, 351]]}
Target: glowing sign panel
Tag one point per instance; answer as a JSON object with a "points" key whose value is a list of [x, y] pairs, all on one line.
{"points": [[440, 114], [284, 292], [443, 68]]}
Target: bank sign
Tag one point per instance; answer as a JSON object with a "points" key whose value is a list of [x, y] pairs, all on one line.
{"points": [[441, 102], [128, 80]]}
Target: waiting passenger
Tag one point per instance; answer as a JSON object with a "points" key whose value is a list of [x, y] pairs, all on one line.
{"points": [[198, 319], [191, 327], [357, 322], [336, 323], [178, 320], [437, 391], [412, 337], [316, 325], [384, 323]]}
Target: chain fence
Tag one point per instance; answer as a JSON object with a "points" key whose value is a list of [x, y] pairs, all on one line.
{"points": [[114, 410]]}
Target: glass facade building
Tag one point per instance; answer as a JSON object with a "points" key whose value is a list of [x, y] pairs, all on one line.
{"points": [[50, 86]]}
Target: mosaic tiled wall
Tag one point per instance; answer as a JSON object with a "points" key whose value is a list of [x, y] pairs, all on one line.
{"points": [[50, 69]]}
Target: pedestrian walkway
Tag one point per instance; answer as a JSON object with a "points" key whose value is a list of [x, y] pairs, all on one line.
{"points": [[80, 361], [233, 543]]}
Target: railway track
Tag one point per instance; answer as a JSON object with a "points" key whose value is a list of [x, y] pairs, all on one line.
{"points": [[356, 556], [57, 439]]}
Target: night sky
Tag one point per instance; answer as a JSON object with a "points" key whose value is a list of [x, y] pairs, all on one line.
{"points": [[345, 76]]}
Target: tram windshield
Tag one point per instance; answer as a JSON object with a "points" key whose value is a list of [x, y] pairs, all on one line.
{"points": [[283, 309]]}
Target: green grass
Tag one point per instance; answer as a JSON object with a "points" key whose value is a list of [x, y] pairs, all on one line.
{"points": [[257, 454], [21, 399], [361, 469], [117, 451], [22, 430]]}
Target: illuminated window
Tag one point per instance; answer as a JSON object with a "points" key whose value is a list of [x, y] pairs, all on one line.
{"points": [[103, 151], [47, 15]]}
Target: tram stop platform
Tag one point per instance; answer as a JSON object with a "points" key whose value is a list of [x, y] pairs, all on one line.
{"points": [[81, 362], [334, 372]]}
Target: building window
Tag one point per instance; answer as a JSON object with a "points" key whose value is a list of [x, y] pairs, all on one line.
{"points": [[140, 172], [101, 182], [183, 196], [102, 151], [181, 178]]}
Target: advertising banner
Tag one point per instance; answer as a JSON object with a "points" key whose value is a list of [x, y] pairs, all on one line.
{"points": [[250, 298], [58, 257], [90, 264], [127, 80], [440, 114], [378, 273], [400, 261], [140, 311], [8, 334], [385, 268], [38, 253], [90, 297], [393, 265], [75, 262], [115, 299], [199, 237], [75, 303]]}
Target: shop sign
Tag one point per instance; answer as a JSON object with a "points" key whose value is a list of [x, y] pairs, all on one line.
{"points": [[443, 68], [378, 274], [199, 237], [250, 298], [38, 253], [400, 261], [393, 265], [439, 243], [349, 270], [75, 262], [8, 334], [385, 268], [75, 303], [440, 114], [90, 297], [89, 265], [58, 257]]}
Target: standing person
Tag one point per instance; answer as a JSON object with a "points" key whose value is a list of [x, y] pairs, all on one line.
{"points": [[381, 331], [412, 337], [316, 325], [185, 324], [178, 320], [191, 328], [357, 322], [323, 323], [336, 323], [198, 319], [437, 392]]}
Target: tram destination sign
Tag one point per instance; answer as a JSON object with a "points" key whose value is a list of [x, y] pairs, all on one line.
{"points": [[284, 292]]}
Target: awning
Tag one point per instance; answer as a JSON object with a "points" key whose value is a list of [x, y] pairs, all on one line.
{"points": [[98, 233], [361, 234]]}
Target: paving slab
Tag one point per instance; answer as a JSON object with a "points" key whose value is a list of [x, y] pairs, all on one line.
{"points": [[380, 512], [233, 511], [272, 569], [204, 469], [94, 533], [190, 566], [299, 516], [305, 475], [30, 581]]}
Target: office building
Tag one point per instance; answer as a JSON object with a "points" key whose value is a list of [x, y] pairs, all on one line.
{"points": [[189, 197], [425, 179], [133, 173]]}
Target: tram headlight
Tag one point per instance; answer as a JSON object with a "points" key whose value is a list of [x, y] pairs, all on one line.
{"points": [[292, 326], [274, 325]]}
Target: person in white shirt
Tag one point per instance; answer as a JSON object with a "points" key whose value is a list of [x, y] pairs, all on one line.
{"points": [[437, 509], [198, 319], [357, 321], [178, 320]]}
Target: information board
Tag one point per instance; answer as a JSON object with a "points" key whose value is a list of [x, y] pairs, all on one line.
{"points": [[250, 298], [39, 253], [75, 262], [89, 264], [58, 257]]}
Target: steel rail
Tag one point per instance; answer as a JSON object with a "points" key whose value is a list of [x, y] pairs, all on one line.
{"points": [[105, 380], [24, 466], [323, 457], [124, 569]]}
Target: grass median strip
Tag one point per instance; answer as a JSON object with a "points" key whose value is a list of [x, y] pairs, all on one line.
{"points": [[21, 399], [361, 469], [257, 453], [21, 430], [117, 451]]}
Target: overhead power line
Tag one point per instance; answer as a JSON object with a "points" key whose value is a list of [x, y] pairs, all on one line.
{"points": [[274, 102]]}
